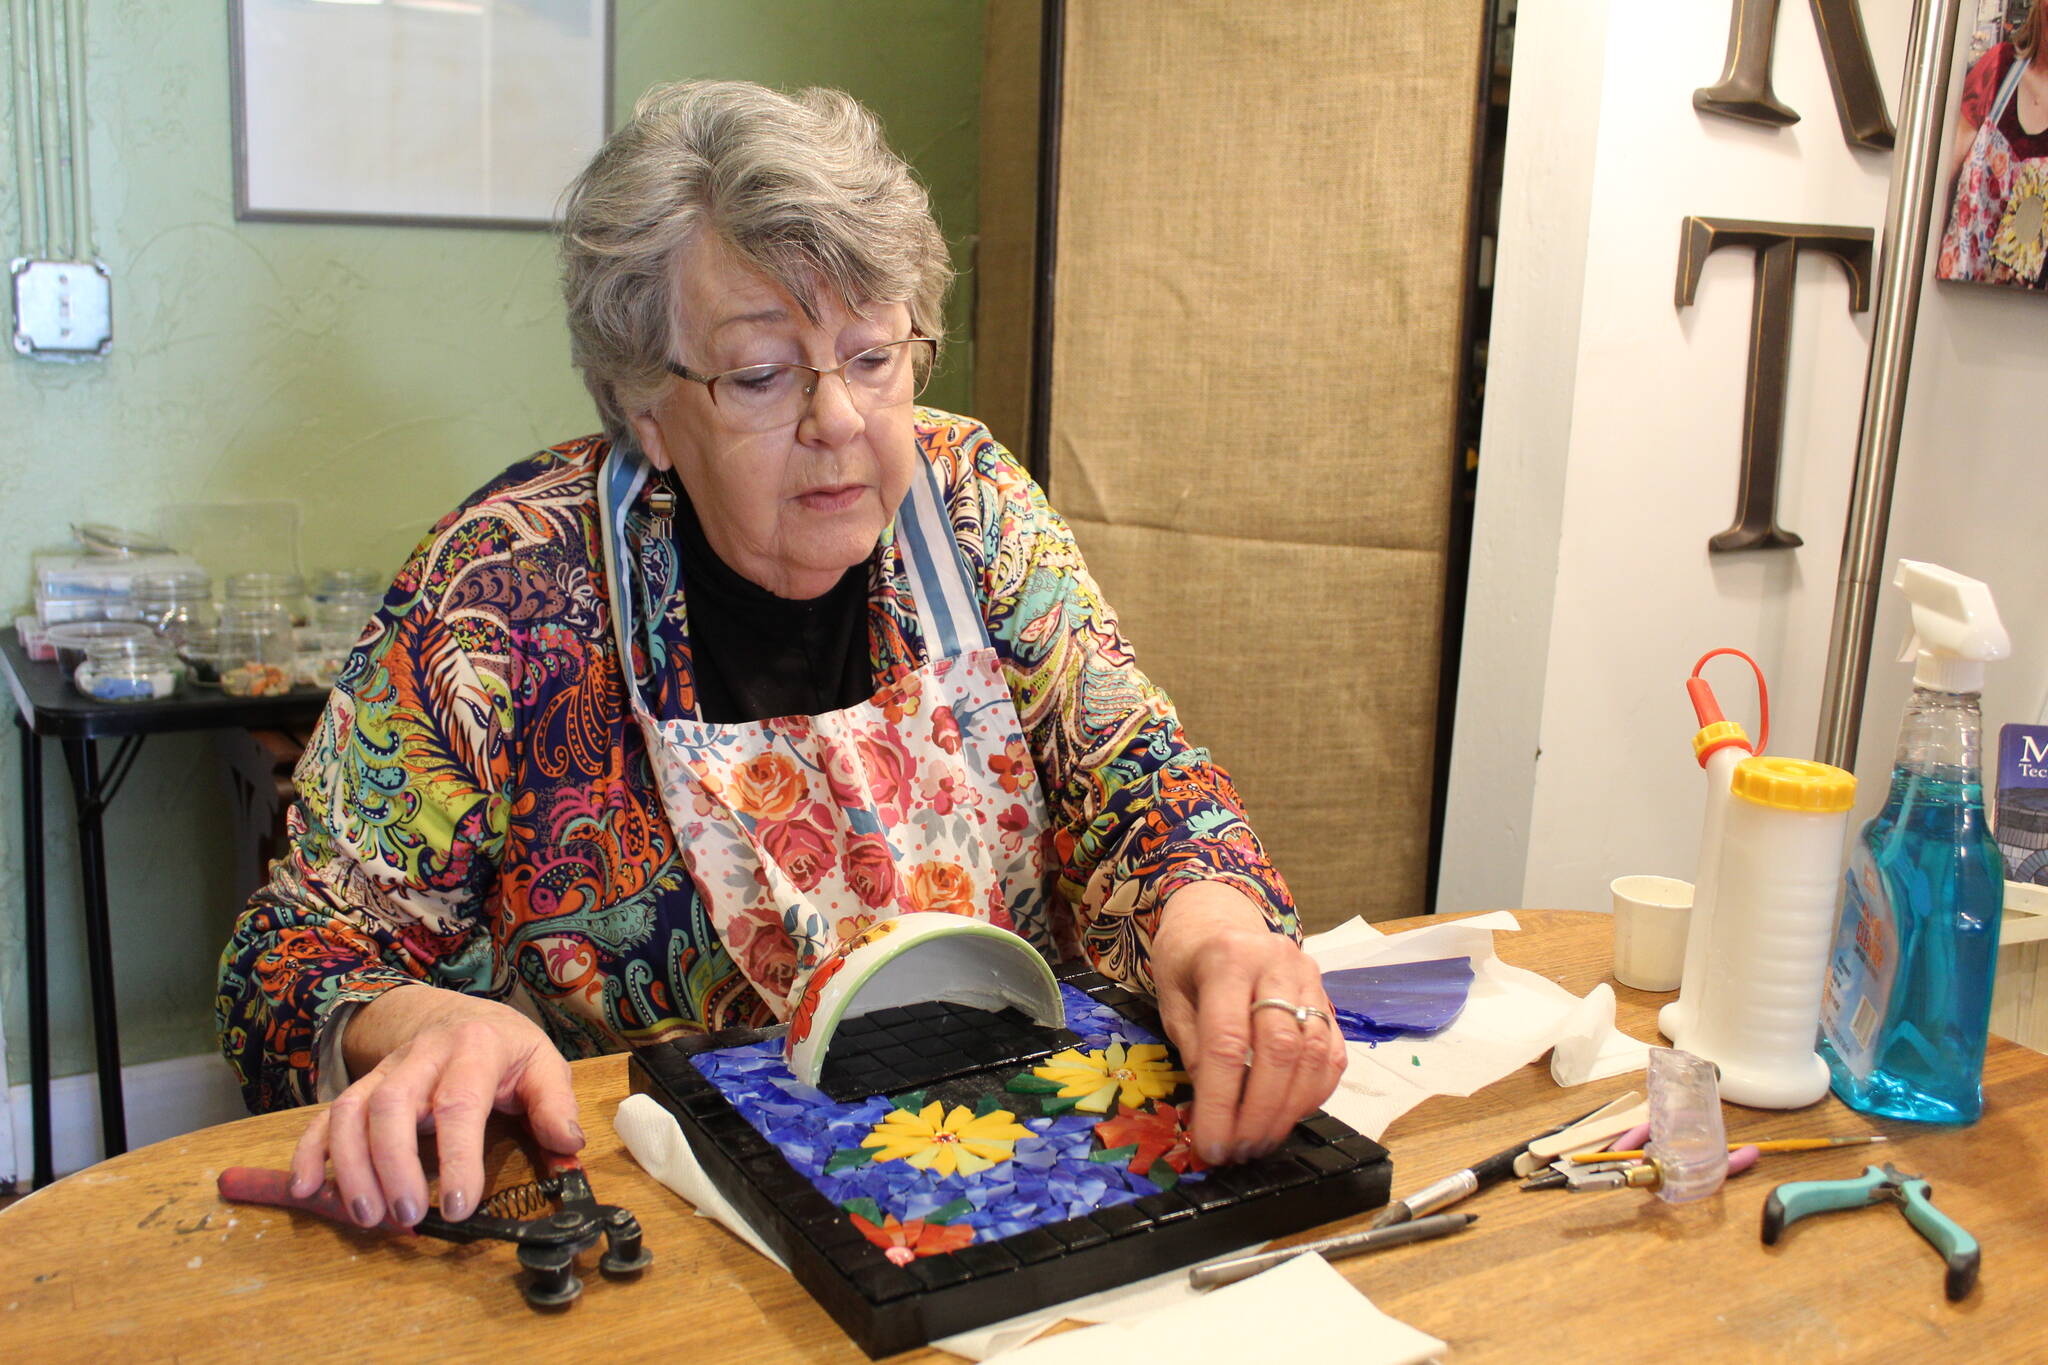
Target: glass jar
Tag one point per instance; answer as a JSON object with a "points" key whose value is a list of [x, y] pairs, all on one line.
{"points": [[321, 654], [344, 599], [284, 592], [255, 650], [129, 669], [173, 604], [200, 651], [69, 639]]}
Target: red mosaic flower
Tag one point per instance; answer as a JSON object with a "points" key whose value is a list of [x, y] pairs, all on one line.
{"points": [[1160, 1135], [903, 1243]]}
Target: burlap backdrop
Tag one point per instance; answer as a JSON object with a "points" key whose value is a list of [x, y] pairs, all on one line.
{"points": [[1261, 261]]}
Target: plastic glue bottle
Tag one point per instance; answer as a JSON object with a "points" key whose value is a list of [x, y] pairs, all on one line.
{"points": [[1763, 910], [1718, 746], [1908, 997]]}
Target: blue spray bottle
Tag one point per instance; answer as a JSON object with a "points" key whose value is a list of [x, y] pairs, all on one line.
{"points": [[1908, 995]]}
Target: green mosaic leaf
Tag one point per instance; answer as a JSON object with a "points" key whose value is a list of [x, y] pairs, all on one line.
{"points": [[1055, 1105], [846, 1158], [1024, 1083], [1163, 1175], [912, 1100], [1115, 1156], [866, 1208], [948, 1213], [987, 1104]]}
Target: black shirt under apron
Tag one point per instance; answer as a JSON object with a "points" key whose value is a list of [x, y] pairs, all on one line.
{"points": [[757, 656]]}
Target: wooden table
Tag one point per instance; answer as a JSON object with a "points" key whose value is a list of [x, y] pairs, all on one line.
{"points": [[137, 1258]]}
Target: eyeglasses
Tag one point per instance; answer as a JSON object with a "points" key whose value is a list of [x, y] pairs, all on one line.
{"points": [[767, 397]]}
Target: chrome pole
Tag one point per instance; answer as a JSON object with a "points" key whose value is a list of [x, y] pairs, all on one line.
{"points": [[1915, 174]]}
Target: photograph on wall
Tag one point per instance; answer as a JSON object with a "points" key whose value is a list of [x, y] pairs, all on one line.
{"points": [[1996, 229], [460, 112]]}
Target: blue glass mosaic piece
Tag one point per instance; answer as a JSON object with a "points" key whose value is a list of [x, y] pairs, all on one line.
{"points": [[1376, 1004]]}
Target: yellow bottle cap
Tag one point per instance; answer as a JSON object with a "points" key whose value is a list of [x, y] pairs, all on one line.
{"points": [[1794, 784], [1716, 736]]}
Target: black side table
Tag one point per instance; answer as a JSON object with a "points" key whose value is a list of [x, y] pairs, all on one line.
{"points": [[50, 707]]}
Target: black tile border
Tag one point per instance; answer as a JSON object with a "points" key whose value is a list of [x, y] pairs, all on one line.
{"points": [[1324, 1172]]}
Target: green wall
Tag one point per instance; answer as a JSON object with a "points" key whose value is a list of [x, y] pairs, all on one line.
{"points": [[373, 375]]}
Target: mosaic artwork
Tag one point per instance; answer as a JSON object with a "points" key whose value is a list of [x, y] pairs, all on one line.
{"points": [[1059, 1169], [1016, 1146]]}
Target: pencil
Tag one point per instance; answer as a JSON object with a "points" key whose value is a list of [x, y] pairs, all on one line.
{"points": [[1767, 1145]]}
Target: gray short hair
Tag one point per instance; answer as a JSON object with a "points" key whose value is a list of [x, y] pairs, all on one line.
{"points": [[800, 187]]}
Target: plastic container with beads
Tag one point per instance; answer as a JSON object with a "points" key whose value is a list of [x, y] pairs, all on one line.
{"points": [[255, 650], [129, 669]]}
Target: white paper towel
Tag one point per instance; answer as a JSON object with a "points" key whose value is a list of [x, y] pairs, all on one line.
{"points": [[1592, 1048], [1299, 1311], [1511, 1018]]}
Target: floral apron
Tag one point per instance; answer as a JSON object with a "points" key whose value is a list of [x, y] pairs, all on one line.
{"points": [[802, 831], [1983, 242]]}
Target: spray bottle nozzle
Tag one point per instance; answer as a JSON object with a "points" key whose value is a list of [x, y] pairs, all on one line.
{"points": [[1956, 630]]}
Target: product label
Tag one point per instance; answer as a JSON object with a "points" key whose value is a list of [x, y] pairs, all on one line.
{"points": [[1861, 968], [2023, 802]]}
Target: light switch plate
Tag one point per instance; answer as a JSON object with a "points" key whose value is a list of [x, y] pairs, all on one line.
{"points": [[63, 310]]}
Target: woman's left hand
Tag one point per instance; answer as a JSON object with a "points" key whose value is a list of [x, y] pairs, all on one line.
{"points": [[1255, 1073]]}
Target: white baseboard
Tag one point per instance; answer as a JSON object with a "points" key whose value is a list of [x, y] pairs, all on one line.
{"points": [[163, 1100]]}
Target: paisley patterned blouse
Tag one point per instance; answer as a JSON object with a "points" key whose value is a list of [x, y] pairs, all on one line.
{"points": [[476, 812]]}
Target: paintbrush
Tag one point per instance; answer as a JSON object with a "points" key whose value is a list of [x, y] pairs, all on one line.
{"points": [[1767, 1145]]}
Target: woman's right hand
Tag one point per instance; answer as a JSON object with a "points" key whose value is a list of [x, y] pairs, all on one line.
{"points": [[440, 1061]]}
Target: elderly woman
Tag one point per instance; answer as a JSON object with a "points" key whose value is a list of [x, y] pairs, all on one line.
{"points": [[657, 718]]}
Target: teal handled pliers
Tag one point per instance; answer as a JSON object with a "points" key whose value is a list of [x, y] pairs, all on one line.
{"points": [[1791, 1202]]}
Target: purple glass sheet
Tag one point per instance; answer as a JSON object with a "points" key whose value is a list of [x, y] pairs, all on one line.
{"points": [[1376, 1004]]}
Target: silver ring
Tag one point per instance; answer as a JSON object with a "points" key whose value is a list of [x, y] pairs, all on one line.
{"points": [[1302, 1013]]}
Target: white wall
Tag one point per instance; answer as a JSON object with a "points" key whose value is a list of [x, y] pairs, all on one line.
{"points": [[1592, 591]]}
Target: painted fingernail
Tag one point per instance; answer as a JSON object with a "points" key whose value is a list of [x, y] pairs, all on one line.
{"points": [[302, 1187], [1241, 1152], [1215, 1153], [405, 1210], [365, 1214], [576, 1131], [454, 1205]]}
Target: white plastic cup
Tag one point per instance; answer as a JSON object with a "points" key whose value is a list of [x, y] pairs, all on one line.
{"points": [[1650, 919]]}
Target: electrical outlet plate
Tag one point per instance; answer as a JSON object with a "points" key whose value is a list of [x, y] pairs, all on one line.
{"points": [[63, 310]]}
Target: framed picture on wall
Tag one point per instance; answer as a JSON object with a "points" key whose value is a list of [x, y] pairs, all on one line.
{"points": [[471, 113], [1996, 225]]}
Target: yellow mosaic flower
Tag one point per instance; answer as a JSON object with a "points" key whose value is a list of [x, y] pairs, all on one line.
{"points": [[2022, 240], [947, 1143], [1134, 1074]]}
